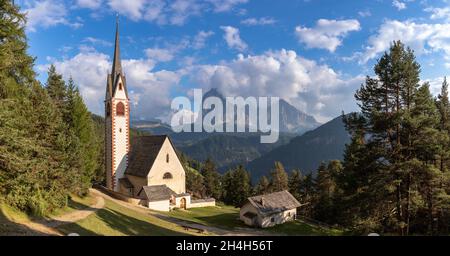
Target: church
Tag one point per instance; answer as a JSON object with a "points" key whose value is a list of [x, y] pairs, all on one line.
{"points": [[148, 168]]}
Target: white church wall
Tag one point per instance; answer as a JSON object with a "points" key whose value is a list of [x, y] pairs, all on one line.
{"points": [[173, 166]]}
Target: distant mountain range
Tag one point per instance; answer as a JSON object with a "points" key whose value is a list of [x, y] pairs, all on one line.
{"points": [[291, 120], [305, 152], [295, 148]]}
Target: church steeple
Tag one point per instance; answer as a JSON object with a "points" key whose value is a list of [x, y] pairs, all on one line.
{"points": [[117, 121], [117, 77], [117, 65]]}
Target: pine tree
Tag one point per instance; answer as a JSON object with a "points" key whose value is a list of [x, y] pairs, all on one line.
{"points": [[295, 183], [211, 179], [392, 159], [16, 66], [86, 146], [263, 186], [236, 186], [279, 178], [56, 87]]}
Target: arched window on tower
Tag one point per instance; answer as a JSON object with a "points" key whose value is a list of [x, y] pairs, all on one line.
{"points": [[167, 158], [120, 109], [120, 86], [108, 109], [167, 175]]}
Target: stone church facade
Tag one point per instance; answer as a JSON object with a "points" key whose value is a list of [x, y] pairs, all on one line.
{"points": [[148, 168]]}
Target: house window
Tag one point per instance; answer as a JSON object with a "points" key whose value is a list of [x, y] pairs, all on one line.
{"points": [[167, 158], [120, 109], [108, 109], [167, 175], [272, 219]]}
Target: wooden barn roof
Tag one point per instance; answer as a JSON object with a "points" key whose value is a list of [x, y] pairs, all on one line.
{"points": [[274, 202]]}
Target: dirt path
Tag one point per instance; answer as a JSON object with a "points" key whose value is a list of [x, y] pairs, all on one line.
{"points": [[209, 229], [48, 226]]}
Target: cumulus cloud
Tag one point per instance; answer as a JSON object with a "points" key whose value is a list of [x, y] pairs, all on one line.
{"points": [[47, 13], [233, 39], [259, 21], [313, 88], [421, 37], [327, 34], [399, 5], [149, 90]]}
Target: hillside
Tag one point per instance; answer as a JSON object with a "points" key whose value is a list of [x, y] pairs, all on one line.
{"points": [[307, 151], [227, 150]]}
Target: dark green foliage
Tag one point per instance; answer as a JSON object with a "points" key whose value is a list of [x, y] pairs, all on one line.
{"points": [[42, 150], [263, 186], [396, 162], [236, 187], [305, 152], [278, 178], [211, 179]]}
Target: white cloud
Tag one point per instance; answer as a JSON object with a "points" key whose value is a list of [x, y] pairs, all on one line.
{"points": [[225, 5], [149, 90], [364, 14], [233, 38], [313, 88], [90, 4], [200, 39], [159, 54], [399, 5], [97, 41], [259, 21], [421, 37], [174, 12], [47, 13], [327, 34], [131, 8], [439, 13]]}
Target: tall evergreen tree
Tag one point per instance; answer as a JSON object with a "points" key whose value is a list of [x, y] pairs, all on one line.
{"points": [[56, 87], [211, 179], [279, 178], [80, 123], [263, 186], [236, 186], [394, 159], [295, 183]]}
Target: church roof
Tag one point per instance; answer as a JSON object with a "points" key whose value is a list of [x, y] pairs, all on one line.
{"points": [[144, 150], [125, 182], [157, 193], [274, 202]]}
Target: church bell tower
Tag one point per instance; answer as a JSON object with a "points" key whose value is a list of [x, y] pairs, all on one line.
{"points": [[117, 121]]}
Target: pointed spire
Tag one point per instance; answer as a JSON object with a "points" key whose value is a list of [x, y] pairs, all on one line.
{"points": [[117, 66]]}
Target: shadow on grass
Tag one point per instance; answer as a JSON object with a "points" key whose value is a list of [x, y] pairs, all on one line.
{"points": [[119, 222], [223, 220], [9, 228]]}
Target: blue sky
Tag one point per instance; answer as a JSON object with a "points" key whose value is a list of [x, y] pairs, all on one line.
{"points": [[312, 53]]}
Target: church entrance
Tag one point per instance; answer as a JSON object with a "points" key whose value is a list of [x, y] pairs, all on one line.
{"points": [[183, 203]]}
